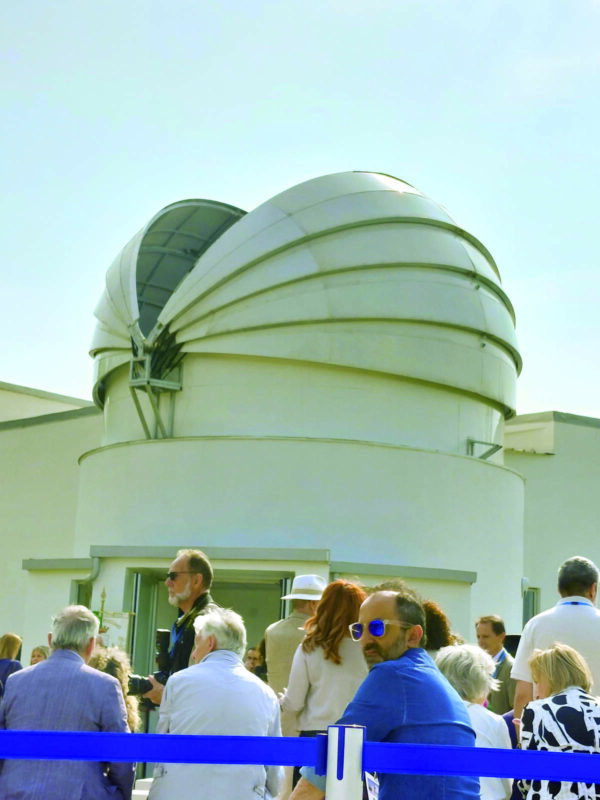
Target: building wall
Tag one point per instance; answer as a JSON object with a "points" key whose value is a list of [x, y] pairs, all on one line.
{"points": [[559, 457], [19, 402], [39, 477], [366, 503], [236, 396]]}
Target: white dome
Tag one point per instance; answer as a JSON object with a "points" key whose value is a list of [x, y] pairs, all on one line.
{"points": [[354, 270]]}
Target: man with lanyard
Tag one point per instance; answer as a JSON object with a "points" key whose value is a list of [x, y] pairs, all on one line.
{"points": [[188, 582], [404, 698], [574, 620], [491, 633]]}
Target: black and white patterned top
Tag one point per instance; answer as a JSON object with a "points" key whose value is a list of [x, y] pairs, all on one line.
{"points": [[567, 722]]}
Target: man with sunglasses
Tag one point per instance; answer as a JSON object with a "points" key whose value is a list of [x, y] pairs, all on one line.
{"points": [[404, 698], [188, 582]]}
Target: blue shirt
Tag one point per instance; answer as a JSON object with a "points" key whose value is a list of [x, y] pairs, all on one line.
{"points": [[409, 700]]}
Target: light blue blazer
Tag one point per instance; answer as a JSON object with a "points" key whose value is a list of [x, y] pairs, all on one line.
{"points": [[64, 694]]}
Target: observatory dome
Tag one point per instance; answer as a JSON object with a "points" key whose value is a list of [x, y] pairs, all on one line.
{"points": [[356, 271], [330, 370]]}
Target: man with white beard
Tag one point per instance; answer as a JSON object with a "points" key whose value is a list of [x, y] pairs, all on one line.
{"points": [[188, 582]]}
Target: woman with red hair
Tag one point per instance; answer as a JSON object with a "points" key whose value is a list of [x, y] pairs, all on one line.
{"points": [[328, 667]]}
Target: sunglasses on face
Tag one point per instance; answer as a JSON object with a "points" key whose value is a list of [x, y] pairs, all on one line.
{"points": [[376, 627], [172, 576]]}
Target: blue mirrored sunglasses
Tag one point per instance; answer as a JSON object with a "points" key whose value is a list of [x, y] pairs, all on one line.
{"points": [[376, 627]]}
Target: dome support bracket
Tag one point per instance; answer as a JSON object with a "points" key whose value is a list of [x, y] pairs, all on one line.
{"points": [[141, 380]]}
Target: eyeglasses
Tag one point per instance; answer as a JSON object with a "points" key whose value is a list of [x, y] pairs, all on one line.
{"points": [[172, 576], [376, 627]]}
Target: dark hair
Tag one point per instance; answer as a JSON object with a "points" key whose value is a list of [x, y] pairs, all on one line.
{"points": [[439, 633], [409, 606], [410, 609], [495, 621], [198, 562], [262, 649], [391, 585], [576, 575], [337, 609]]}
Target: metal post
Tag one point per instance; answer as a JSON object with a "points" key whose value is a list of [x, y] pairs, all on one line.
{"points": [[344, 762]]}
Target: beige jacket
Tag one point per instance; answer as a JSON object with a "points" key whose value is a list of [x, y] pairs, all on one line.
{"points": [[281, 639]]}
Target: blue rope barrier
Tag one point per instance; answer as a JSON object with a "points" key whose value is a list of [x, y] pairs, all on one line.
{"points": [[153, 747], [413, 759], [422, 759]]}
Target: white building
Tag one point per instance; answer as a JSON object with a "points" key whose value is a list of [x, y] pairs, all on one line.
{"points": [[320, 385]]}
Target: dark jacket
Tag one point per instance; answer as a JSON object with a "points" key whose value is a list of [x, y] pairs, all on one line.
{"points": [[182, 645]]}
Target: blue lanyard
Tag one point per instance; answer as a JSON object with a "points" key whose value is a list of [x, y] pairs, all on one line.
{"points": [[500, 660], [573, 603], [175, 637]]}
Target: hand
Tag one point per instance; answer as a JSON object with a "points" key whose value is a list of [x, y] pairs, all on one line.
{"points": [[306, 791], [155, 694]]}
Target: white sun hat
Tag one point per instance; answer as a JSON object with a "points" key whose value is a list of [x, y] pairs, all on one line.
{"points": [[306, 587]]}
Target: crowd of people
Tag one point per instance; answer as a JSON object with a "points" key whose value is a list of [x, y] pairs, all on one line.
{"points": [[380, 657]]}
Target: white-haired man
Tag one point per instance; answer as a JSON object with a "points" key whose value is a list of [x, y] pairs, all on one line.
{"points": [[217, 696], [63, 694]]}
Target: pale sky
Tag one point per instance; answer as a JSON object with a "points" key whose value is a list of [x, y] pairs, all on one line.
{"points": [[113, 109]]}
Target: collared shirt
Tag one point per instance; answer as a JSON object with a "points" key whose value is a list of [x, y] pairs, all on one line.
{"points": [[574, 621], [409, 700], [218, 696]]}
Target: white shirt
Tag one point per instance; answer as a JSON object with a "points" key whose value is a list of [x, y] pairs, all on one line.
{"points": [[490, 731], [574, 621], [218, 696], [320, 690]]}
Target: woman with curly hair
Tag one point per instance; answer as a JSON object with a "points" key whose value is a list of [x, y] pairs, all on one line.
{"points": [[328, 667], [115, 662]]}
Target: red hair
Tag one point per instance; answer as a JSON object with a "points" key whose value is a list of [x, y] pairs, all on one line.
{"points": [[338, 608]]}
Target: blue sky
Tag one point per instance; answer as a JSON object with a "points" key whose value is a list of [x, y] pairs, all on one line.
{"points": [[112, 110]]}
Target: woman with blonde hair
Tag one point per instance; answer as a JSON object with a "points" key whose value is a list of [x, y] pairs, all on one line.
{"points": [[39, 653], [10, 644], [115, 662], [564, 717], [328, 667]]}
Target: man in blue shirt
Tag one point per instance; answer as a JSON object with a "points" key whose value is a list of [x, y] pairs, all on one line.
{"points": [[404, 698]]}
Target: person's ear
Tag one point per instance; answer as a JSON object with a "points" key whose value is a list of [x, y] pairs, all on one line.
{"points": [[212, 643], [50, 640], [414, 636]]}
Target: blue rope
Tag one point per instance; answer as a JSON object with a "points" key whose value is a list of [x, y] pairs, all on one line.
{"points": [[414, 759], [422, 759]]}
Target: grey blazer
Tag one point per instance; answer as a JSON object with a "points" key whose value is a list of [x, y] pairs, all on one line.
{"points": [[64, 694]]}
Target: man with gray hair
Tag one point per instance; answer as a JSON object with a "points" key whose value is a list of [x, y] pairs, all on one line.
{"points": [[217, 696], [574, 620], [63, 694]]}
